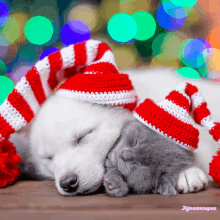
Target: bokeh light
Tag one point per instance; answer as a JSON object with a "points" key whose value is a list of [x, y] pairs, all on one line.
{"points": [[184, 3], [21, 18], [3, 69], [213, 37], [174, 11], [3, 47], [122, 28], [29, 53], [152, 27], [132, 6], [192, 16], [214, 75], [4, 13], [125, 56], [6, 87], [213, 62], [19, 72], [181, 52], [10, 30], [146, 25], [168, 22], [38, 30], [188, 72], [158, 63], [165, 46], [108, 8], [204, 71], [11, 53], [86, 13], [55, 36], [75, 31], [48, 51], [194, 52]]}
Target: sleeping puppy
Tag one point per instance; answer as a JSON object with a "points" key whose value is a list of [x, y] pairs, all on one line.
{"points": [[68, 142], [144, 161]]}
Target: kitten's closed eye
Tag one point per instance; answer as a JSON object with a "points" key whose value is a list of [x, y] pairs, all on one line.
{"points": [[132, 142]]}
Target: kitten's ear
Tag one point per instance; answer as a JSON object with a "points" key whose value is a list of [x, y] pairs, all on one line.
{"points": [[131, 133]]}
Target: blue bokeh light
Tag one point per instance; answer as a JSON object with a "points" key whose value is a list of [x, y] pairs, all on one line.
{"points": [[4, 13], [168, 22], [196, 52], [174, 11], [75, 31], [48, 51]]}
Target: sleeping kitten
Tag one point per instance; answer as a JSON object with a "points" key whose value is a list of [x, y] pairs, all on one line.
{"points": [[144, 161]]}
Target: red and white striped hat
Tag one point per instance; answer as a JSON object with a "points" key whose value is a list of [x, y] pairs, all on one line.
{"points": [[100, 83], [171, 116]]}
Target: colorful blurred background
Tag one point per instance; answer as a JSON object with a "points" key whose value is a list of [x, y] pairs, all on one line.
{"points": [[179, 34]]}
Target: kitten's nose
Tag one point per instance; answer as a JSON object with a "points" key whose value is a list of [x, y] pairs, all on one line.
{"points": [[69, 183]]}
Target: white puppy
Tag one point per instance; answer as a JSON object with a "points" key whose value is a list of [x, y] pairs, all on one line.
{"points": [[71, 138]]}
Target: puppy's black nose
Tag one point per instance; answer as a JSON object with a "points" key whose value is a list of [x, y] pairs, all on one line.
{"points": [[69, 183]]}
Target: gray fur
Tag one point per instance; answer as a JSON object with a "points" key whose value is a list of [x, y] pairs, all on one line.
{"points": [[144, 161]]}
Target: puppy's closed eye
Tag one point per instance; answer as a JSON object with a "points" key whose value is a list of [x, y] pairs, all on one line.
{"points": [[82, 136]]}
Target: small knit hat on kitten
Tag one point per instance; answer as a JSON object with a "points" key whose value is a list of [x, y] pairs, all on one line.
{"points": [[171, 118]]}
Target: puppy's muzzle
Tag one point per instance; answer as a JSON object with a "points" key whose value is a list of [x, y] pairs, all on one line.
{"points": [[69, 183]]}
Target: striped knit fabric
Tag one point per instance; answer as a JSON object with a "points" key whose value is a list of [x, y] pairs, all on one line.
{"points": [[92, 58], [110, 89], [171, 116]]}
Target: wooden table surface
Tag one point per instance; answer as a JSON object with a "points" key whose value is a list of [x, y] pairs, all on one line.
{"points": [[40, 200]]}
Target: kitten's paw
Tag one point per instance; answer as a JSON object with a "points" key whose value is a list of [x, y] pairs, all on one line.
{"points": [[192, 179], [166, 187], [115, 185]]}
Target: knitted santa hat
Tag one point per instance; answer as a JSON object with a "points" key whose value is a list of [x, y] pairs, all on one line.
{"points": [[100, 82], [170, 118]]}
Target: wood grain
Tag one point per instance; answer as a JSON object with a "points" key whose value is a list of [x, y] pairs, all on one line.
{"points": [[40, 200]]}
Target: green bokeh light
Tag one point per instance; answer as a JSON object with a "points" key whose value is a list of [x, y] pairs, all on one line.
{"points": [[188, 72], [188, 4], [181, 52], [122, 27], [184, 3], [165, 46], [124, 1], [38, 30], [204, 72], [10, 30], [3, 69], [6, 87], [146, 25]]}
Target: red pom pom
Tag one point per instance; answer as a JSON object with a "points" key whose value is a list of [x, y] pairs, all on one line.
{"points": [[214, 168], [9, 161]]}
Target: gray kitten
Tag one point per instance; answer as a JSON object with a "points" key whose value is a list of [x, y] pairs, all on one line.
{"points": [[143, 161]]}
